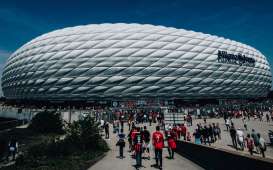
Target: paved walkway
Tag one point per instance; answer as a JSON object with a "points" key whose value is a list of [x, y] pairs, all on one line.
{"points": [[226, 143], [111, 162]]}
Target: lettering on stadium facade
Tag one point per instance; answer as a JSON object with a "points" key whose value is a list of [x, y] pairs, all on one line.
{"points": [[239, 59]]}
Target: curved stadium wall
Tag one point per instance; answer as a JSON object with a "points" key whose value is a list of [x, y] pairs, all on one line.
{"points": [[131, 61]]}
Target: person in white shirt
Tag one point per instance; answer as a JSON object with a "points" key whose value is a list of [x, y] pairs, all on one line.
{"points": [[101, 123], [227, 124], [240, 138]]}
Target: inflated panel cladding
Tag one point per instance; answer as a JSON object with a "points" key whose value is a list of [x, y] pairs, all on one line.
{"points": [[131, 60]]}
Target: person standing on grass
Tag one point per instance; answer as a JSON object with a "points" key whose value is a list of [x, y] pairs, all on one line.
{"points": [[158, 143], [262, 145]]}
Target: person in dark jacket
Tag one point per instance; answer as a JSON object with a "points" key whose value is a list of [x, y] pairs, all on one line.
{"points": [[232, 132], [146, 138], [211, 134], [12, 147], [106, 129], [121, 143], [206, 135]]}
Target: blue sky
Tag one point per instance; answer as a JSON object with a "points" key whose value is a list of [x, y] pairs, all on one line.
{"points": [[247, 21]]}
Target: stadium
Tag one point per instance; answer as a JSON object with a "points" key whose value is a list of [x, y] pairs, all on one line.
{"points": [[134, 61]]}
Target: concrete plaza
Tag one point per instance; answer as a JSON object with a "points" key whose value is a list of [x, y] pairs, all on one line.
{"points": [[261, 127], [112, 162]]}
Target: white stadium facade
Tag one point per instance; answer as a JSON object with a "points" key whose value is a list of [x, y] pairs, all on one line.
{"points": [[133, 61]]}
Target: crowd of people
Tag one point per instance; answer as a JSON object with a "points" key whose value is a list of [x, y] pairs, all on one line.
{"points": [[142, 142], [252, 141], [207, 134]]}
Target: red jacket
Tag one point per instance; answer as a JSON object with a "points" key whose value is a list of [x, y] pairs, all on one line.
{"points": [[171, 143], [158, 140], [183, 130], [133, 135]]}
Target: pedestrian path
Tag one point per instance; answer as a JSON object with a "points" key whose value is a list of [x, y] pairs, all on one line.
{"points": [[226, 142], [112, 162]]}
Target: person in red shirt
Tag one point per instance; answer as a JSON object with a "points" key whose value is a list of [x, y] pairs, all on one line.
{"points": [[138, 140], [175, 132], [171, 138], [133, 136], [158, 143]]}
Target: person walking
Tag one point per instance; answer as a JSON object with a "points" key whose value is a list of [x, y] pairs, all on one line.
{"points": [[158, 143], [138, 148], [218, 131], [249, 144], [190, 120], [150, 119], [240, 138], [256, 140], [197, 136], [262, 145], [13, 148], [227, 123], [188, 137], [121, 143], [106, 129], [211, 134], [232, 132], [183, 131], [133, 136], [122, 122], [267, 117], [205, 119], [206, 135], [245, 123], [171, 143], [146, 144]]}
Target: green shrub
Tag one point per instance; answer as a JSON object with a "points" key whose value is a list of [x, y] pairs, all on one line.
{"points": [[81, 143], [47, 122], [85, 134]]}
